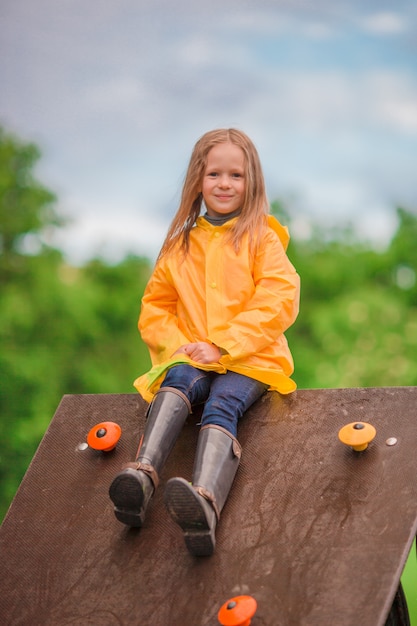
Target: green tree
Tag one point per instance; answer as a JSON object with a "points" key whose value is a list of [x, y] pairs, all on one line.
{"points": [[62, 329], [358, 319], [26, 206]]}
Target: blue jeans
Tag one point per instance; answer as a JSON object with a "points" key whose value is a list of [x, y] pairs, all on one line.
{"points": [[226, 397]]}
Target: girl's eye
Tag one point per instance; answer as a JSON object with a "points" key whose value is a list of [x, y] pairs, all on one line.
{"points": [[212, 174], [237, 175]]}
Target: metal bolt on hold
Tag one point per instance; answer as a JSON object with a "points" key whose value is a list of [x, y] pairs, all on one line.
{"points": [[391, 441]]}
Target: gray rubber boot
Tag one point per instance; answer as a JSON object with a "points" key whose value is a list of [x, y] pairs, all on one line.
{"points": [[132, 489], [196, 507]]}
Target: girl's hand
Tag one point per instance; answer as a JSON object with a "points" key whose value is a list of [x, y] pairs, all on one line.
{"points": [[201, 352]]}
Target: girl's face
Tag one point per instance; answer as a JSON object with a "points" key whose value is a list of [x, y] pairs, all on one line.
{"points": [[224, 184]]}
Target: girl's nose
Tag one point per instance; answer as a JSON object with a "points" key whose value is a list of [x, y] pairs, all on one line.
{"points": [[224, 181]]}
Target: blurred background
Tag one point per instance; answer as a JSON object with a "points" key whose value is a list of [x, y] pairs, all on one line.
{"points": [[100, 106]]}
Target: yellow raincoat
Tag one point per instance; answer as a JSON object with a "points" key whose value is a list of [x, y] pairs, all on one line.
{"points": [[241, 302]]}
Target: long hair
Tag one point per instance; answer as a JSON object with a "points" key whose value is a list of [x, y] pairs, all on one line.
{"points": [[251, 221]]}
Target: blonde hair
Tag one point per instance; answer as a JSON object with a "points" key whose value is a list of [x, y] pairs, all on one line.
{"points": [[251, 221]]}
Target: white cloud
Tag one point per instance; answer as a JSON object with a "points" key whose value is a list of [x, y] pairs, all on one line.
{"points": [[118, 95], [338, 202], [196, 51], [111, 234], [318, 30], [329, 101], [394, 100], [384, 23]]}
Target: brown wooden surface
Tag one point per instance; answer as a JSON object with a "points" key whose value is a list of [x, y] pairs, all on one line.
{"points": [[316, 533]]}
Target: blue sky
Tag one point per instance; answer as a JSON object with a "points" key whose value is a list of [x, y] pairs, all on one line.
{"points": [[116, 93]]}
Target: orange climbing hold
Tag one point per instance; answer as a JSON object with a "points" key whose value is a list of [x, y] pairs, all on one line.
{"points": [[104, 436], [237, 611], [358, 435]]}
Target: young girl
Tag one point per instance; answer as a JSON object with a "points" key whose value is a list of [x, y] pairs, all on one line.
{"points": [[213, 315]]}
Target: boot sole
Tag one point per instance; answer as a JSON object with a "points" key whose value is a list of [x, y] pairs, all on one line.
{"points": [[187, 509], [127, 496]]}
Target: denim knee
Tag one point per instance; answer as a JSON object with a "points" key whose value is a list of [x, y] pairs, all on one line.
{"points": [[194, 383], [231, 395]]}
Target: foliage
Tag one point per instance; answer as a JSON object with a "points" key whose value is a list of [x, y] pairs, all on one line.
{"points": [[68, 330], [26, 207], [62, 329], [357, 325]]}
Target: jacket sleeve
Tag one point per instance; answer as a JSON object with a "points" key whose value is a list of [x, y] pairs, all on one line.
{"points": [[272, 308], [158, 321]]}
